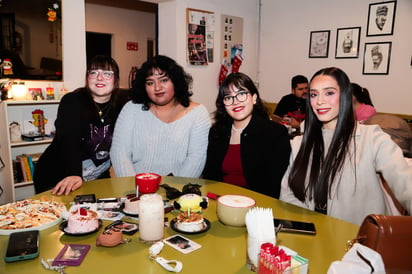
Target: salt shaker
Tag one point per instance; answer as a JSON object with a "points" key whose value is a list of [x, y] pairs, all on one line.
{"points": [[151, 218]]}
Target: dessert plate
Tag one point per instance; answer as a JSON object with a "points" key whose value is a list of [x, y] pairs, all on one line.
{"points": [[167, 210], [128, 213], [206, 227], [63, 227]]}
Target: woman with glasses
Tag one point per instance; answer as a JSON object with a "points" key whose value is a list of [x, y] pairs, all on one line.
{"points": [[84, 128], [161, 130], [246, 148]]}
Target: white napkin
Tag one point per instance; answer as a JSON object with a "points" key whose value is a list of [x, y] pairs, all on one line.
{"points": [[260, 229], [354, 261]]}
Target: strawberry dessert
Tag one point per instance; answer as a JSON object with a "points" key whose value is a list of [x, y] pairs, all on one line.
{"points": [[82, 221]]}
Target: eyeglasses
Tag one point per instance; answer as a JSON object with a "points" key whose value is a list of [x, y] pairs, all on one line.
{"points": [[106, 74], [240, 97]]}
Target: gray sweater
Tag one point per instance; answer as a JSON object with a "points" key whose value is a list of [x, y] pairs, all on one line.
{"points": [[143, 143]]}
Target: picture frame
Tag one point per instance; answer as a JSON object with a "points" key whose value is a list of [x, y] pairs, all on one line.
{"points": [[71, 254], [319, 44], [381, 18], [347, 42], [200, 37], [377, 58]]}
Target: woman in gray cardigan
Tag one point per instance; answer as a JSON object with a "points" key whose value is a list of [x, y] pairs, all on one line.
{"points": [[335, 165]]}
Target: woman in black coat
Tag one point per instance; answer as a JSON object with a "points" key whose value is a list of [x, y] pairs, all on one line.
{"points": [[245, 147], [84, 128]]}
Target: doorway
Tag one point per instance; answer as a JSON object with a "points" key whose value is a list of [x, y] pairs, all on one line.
{"points": [[98, 43]]}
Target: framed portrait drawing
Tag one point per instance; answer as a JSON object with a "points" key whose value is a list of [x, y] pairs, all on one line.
{"points": [[381, 18], [319, 44], [347, 42], [377, 57]]}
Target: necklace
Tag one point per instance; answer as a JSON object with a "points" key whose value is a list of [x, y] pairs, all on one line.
{"points": [[237, 129], [100, 110], [169, 117]]}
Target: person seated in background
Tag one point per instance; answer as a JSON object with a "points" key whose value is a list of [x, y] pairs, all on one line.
{"points": [[84, 126], [291, 108], [336, 165], [245, 147], [161, 130], [397, 128], [362, 103]]}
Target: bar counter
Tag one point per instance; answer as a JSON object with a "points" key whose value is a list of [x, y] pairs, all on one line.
{"points": [[223, 248]]}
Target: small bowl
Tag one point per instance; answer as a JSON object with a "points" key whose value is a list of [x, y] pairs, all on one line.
{"points": [[231, 209], [148, 182]]}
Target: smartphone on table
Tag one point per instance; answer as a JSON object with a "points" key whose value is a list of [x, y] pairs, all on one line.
{"points": [[295, 226], [22, 245]]}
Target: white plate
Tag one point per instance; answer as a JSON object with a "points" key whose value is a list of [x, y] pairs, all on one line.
{"points": [[40, 227], [130, 213]]}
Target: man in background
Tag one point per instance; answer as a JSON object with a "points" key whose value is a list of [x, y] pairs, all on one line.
{"points": [[291, 108]]}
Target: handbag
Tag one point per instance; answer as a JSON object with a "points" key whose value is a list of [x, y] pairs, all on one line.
{"points": [[391, 237]]}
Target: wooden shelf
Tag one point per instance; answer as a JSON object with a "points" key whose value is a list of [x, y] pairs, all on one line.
{"points": [[46, 140], [31, 102], [21, 184], [21, 113]]}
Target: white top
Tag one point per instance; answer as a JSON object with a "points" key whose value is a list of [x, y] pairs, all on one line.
{"points": [[354, 197], [143, 143]]}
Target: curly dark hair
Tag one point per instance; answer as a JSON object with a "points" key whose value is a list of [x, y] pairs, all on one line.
{"points": [[240, 81], [181, 80]]}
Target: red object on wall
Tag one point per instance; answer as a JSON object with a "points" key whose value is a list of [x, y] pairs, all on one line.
{"points": [[132, 46]]}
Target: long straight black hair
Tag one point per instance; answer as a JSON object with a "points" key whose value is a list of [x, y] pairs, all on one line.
{"points": [[323, 166]]}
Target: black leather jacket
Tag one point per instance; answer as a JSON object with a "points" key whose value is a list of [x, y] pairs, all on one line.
{"points": [[264, 148]]}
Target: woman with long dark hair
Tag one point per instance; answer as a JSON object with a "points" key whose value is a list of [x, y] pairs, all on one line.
{"points": [[335, 165], [84, 128], [245, 147]]}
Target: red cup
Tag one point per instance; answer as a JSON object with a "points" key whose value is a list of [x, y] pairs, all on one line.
{"points": [[148, 182]]}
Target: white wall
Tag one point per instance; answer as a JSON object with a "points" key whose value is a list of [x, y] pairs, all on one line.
{"points": [[125, 26], [285, 47], [172, 41], [74, 44]]}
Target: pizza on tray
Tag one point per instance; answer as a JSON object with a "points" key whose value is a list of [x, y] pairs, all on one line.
{"points": [[30, 213]]}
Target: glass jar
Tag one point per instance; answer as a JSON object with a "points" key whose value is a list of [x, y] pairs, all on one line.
{"points": [[151, 218]]}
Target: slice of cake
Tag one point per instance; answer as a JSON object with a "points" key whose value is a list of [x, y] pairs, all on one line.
{"points": [[82, 221], [192, 222], [132, 204]]}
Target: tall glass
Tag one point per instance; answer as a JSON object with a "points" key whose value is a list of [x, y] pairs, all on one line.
{"points": [[151, 218]]}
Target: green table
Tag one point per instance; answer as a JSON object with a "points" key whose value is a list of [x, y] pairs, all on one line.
{"points": [[223, 248]]}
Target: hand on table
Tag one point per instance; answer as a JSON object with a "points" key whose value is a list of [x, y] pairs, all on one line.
{"points": [[68, 184]]}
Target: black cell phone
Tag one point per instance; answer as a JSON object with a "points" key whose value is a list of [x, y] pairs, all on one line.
{"points": [[85, 198], [295, 226], [22, 245]]}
